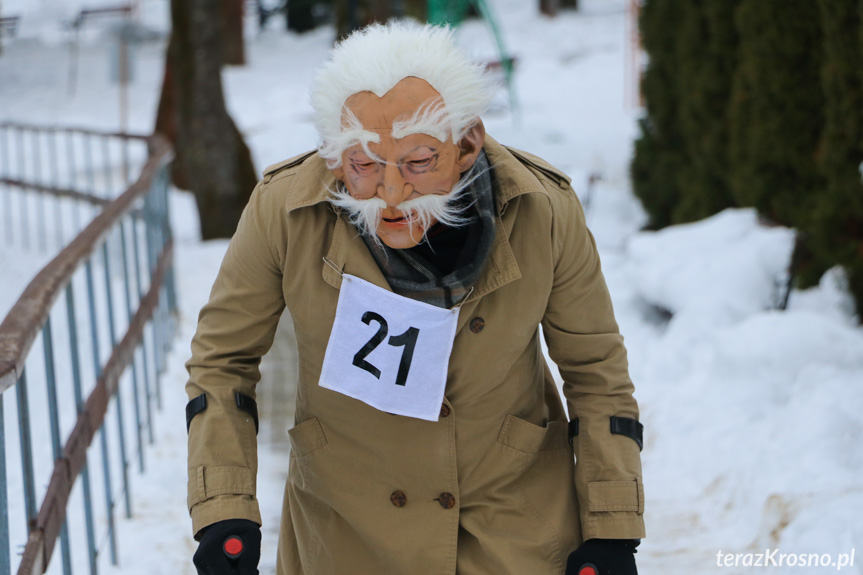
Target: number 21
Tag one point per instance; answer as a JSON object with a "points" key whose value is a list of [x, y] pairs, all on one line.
{"points": [[408, 339]]}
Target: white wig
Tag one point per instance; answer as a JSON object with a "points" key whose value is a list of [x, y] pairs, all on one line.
{"points": [[377, 58]]}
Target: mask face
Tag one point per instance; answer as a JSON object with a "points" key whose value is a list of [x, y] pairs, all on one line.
{"points": [[406, 165]]}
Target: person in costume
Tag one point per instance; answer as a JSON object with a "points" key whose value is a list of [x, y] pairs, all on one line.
{"points": [[418, 259]]}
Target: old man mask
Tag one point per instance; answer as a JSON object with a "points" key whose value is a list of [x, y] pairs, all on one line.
{"points": [[400, 129]]}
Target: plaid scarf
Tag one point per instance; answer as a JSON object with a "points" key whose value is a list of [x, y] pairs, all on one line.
{"points": [[413, 276]]}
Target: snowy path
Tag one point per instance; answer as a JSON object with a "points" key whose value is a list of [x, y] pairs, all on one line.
{"points": [[159, 536]]}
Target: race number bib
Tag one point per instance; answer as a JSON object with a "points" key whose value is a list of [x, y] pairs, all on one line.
{"points": [[389, 351]]}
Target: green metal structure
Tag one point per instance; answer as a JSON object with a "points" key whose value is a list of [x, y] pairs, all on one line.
{"points": [[453, 12]]}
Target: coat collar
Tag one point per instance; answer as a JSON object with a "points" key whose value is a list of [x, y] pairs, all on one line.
{"points": [[347, 251]]}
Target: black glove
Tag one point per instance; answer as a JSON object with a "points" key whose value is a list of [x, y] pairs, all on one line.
{"points": [[604, 556], [229, 547]]}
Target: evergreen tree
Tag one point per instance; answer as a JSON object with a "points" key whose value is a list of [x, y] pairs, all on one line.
{"points": [[777, 109], [837, 230], [659, 151], [706, 53]]}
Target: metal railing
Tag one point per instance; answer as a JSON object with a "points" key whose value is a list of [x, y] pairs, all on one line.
{"points": [[123, 253], [86, 167]]}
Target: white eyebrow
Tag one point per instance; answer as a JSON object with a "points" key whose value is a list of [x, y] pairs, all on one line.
{"points": [[430, 119], [362, 137], [353, 133]]}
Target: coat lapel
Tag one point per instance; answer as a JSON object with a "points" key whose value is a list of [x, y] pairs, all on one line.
{"points": [[350, 254]]}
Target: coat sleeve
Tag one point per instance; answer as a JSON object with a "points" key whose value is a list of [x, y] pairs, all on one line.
{"points": [[583, 339], [235, 328]]}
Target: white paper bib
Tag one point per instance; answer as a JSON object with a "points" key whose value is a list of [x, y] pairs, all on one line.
{"points": [[389, 351]]}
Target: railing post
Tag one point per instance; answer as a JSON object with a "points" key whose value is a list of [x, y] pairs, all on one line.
{"points": [[148, 410], [25, 438], [54, 417], [125, 146], [55, 182], [37, 178], [4, 161], [171, 280], [120, 418], [109, 300], [153, 225], [87, 143], [135, 387], [25, 216], [88, 269], [140, 286], [5, 559], [164, 231], [85, 472], [73, 178], [106, 165]]}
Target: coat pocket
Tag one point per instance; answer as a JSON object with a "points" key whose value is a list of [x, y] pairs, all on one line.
{"points": [[530, 462], [307, 437], [528, 438]]}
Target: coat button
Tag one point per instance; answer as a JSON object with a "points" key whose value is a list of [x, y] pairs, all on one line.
{"points": [[477, 324], [446, 500], [445, 410], [398, 498]]}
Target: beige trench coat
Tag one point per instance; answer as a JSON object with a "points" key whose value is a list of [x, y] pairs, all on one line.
{"points": [[490, 487]]}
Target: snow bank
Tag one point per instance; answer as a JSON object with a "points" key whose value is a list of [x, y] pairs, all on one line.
{"points": [[751, 414], [727, 263]]}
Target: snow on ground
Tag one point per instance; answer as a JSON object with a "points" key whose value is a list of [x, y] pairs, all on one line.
{"points": [[752, 416]]}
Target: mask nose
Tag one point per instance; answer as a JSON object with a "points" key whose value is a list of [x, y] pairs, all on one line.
{"points": [[394, 189]]}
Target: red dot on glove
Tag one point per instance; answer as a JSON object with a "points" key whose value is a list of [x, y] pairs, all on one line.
{"points": [[587, 570], [233, 546]]}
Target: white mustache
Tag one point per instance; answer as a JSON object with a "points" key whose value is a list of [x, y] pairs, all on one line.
{"points": [[423, 210]]}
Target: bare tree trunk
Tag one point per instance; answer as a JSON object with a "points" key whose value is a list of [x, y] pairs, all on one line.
{"points": [[380, 10], [549, 7], [212, 158], [299, 15], [416, 9], [233, 47], [167, 117], [367, 11]]}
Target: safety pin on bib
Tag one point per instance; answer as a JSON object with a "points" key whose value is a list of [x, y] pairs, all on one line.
{"points": [[332, 264], [456, 307]]}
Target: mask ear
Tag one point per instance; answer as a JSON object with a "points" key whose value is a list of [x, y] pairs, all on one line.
{"points": [[470, 146], [339, 173]]}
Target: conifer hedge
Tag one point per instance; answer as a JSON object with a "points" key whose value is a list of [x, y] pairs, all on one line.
{"points": [[707, 58], [659, 151], [777, 108], [758, 103], [837, 227]]}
